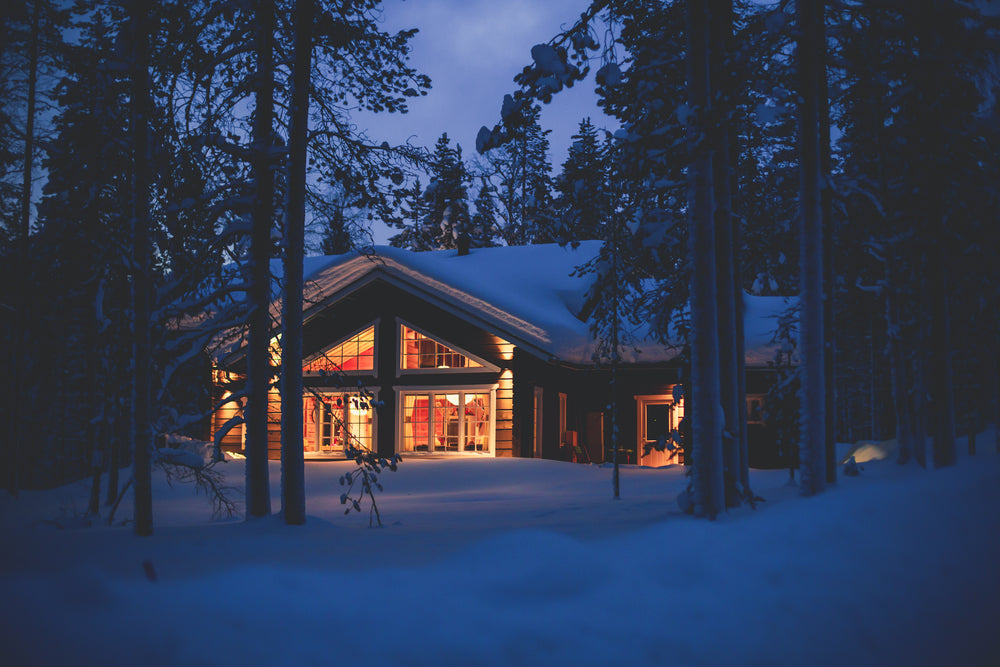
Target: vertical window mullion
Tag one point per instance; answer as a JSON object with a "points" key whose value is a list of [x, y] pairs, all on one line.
{"points": [[431, 409], [461, 421]]}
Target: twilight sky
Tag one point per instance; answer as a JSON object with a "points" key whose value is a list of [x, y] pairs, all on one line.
{"points": [[472, 49]]}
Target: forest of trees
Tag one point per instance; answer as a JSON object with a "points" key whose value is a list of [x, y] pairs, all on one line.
{"points": [[157, 159]]}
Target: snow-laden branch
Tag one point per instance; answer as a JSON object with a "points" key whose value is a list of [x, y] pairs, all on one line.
{"points": [[550, 72]]}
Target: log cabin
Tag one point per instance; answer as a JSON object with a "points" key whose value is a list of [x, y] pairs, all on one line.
{"points": [[486, 354]]}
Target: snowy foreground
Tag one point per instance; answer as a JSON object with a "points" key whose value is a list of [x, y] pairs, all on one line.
{"points": [[519, 562]]}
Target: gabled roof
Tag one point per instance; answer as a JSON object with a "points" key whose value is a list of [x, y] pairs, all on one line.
{"points": [[527, 295]]}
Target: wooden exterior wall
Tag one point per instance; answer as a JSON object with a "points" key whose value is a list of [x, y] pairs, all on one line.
{"points": [[222, 382], [587, 390], [504, 445], [387, 306]]}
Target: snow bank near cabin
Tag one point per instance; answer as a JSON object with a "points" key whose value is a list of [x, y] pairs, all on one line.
{"points": [[498, 562]]}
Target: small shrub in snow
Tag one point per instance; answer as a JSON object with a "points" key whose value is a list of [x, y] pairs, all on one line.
{"points": [[363, 480], [370, 466]]}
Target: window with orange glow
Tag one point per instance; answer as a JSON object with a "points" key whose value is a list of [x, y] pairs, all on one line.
{"points": [[449, 421], [422, 352], [356, 354], [330, 421]]}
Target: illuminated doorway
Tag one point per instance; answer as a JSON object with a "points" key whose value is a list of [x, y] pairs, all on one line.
{"points": [[658, 422]]}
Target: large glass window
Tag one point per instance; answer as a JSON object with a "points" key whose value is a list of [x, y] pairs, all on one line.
{"points": [[422, 352], [357, 353], [329, 421], [446, 421]]}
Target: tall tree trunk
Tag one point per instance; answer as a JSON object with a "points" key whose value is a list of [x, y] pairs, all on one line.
{"points": [[615, 341], [940, 389], [900, 365], [141, 262], [96, 459], [812, 463], [258, 351], [918, 403], [737, 239], [293, 499], [829, 279], [996, 393], [114, 429], [19, 380], [941, 385], [720, 32], [707, 421], [121, 404], [741, 378]]}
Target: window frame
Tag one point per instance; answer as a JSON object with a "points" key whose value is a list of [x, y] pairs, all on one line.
{"points": [[758, 417], [337, 453], [484, 366], [430, 391], [374, 324]]}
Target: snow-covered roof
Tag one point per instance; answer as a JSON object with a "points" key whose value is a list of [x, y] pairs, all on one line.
{"points": [[528, 295]]}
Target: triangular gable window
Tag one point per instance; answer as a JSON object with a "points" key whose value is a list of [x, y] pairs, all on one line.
{"points": [[422, 352], [355, 354]]}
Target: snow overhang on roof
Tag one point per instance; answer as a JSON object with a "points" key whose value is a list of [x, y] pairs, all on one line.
{"points": [[524, 294], [528, 295]]}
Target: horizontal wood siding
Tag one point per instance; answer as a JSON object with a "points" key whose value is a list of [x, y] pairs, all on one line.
{"points": [[222, 383], [504, 443], [522, 404], [274, 424], [587, 389]]}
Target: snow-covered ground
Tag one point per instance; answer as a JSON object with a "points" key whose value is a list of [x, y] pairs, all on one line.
{"points": [[519, 562]]}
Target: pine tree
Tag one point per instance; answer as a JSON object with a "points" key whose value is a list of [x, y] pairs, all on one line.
{"points": [[729, 288], [521, 170], [582, 205], [83, 224], [142, 261], [408, 217], [811, 63], [484, 220], [293, 500], [903, 178], [648, 155], [259, 273], [446, 218], [336, 234], [707, 493], [30, 41]]}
